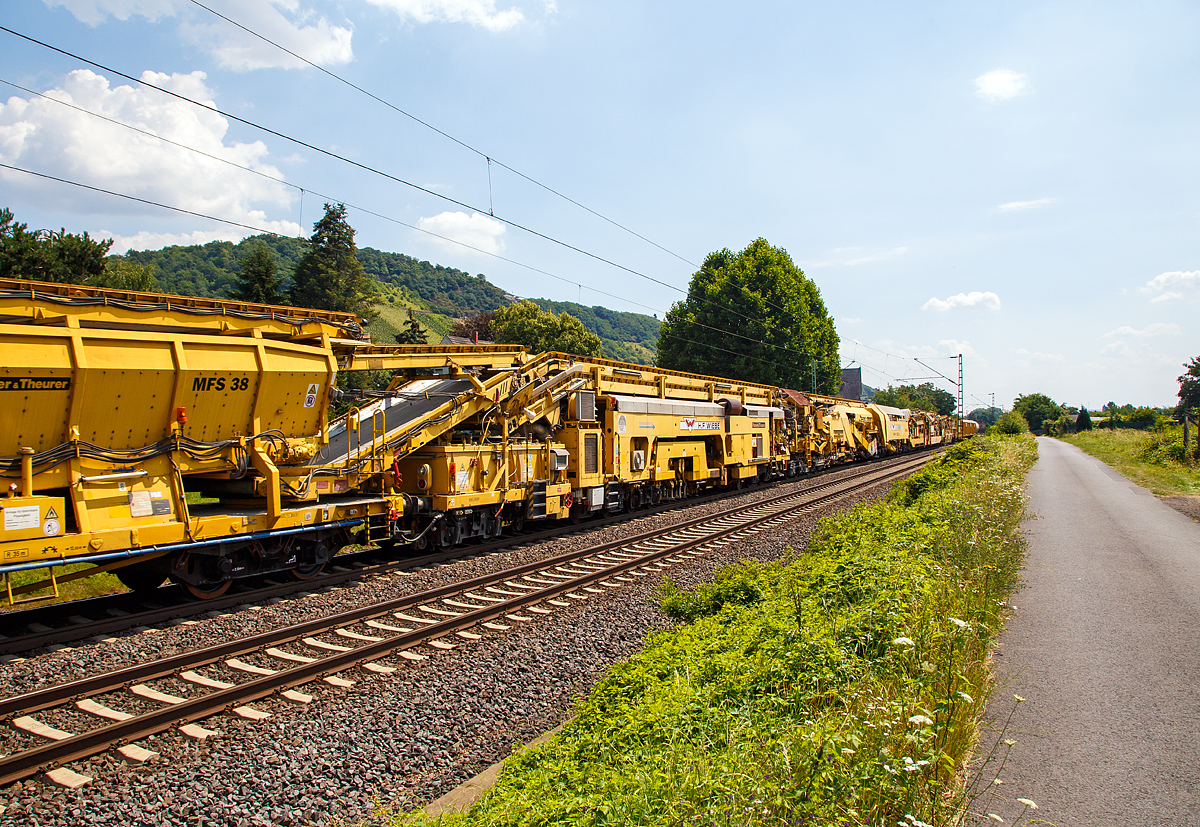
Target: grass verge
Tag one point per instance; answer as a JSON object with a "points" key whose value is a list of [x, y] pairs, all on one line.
{"points": [[841, 686], [1149, 458]]}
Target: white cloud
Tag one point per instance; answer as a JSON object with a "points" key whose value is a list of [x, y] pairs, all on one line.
{"points": [[307, 34], [93, 12], [46, 137], [474, 12], [1014, 206], [1176, 285], [301, 30], [1155, 329], [972, 299], [476, 230], [1043, 358], [1000, 84], [146, 240]]}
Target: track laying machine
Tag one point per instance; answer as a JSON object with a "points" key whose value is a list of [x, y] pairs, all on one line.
{"points": [[165, 437]]}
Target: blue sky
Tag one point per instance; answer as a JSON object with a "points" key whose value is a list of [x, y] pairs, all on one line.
{"points": [[1013, 181]]}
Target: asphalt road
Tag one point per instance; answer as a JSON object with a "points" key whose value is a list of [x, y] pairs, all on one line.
{"points": [[1104, 645]]}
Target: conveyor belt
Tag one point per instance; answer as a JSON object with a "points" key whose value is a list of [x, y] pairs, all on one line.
{"points": [[402, 412]]}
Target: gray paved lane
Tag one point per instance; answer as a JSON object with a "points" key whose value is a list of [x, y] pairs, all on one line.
{"points": [[1104, 644]]}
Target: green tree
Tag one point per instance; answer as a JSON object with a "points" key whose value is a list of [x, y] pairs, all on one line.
{"points": [[44, 255], [924, 397], [123, 274], [413, 333], [753, 316], [985, 416], [1189, 389], [524, 323], [330, 276], [1037, 408], [258, 280], [1011, 422], [1083, 422]]}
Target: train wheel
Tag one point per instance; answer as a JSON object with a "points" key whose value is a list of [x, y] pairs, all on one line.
{"points": [[305, 572], [517, 523], [138, 579], [208, 591]]}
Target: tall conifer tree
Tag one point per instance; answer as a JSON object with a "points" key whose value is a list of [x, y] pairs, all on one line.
{"points": [[258, 281], [330, 276]]}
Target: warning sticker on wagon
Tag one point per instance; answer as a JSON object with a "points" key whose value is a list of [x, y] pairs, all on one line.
{"points": [[19, 517], [310, 398]]}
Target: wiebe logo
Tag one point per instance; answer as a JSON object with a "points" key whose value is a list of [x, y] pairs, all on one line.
{"points": [[692, 424]]}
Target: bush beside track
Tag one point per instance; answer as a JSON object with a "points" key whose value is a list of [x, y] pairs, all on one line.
{"points": [[842, 685]]}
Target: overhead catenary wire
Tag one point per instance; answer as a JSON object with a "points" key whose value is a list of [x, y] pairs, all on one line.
{"points": [[490, 160], [343, 158], [301, 190], [272, 232], [362, 209], [386, 175], [368, 168]]}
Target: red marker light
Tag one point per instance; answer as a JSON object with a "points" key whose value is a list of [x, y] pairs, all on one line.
{"points": [[181, 415]]}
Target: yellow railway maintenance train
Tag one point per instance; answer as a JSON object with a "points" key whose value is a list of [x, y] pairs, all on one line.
{"points": [[116, 406]]}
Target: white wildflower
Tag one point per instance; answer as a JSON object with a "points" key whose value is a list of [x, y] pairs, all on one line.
{"points": [[966, 697], [903, 641], [920, 720], [995, 817], [1027, 803], [962, 624]]}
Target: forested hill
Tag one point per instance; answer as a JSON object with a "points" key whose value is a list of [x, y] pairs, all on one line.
{"points": [[210, 270], [438, 294], [628, 337]]}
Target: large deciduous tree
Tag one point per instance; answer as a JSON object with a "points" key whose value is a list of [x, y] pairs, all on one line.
{"points": [[1037, 408], [985, 416], [258, 280], [753, 316], [330, 276], [524, 323], [924, 397]]}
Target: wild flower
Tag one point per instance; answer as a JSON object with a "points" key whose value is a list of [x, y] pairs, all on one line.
{"points": [[962, 624], [1019, 698], [995, 817], [903, 641], [920, 720], [1027, 803]]}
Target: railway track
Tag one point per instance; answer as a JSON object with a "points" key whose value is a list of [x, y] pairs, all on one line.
{"points": [[60, 624], [282, 661]]}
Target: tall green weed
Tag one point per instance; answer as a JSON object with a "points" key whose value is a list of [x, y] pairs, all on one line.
{"points": [[837, 686]]}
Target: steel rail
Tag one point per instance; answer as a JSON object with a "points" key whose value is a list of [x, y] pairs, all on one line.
{"points": [[130, 616], [27, 762]]}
